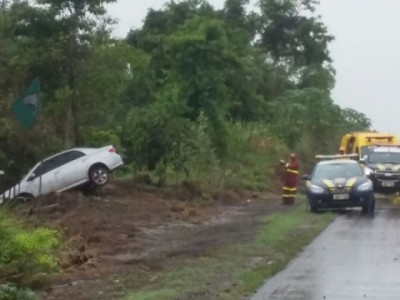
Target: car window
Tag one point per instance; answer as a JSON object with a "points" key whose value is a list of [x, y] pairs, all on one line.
{"points": [[337, 170], [76, 154], [384, 158], [45, 167], [57, 161], [68, 157]]}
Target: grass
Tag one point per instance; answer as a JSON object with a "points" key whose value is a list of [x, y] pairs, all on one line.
{"points": [[234, 271], [152, 295], [292, 233], [278, 226]]}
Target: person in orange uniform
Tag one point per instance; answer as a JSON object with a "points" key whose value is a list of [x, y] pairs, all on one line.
{"points": [[290, 180]]}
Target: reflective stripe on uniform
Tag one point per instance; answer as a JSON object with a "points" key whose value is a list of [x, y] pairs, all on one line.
{"points": [[289, 189], [292, 171]]}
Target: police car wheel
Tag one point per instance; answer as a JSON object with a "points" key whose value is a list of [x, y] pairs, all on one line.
{"points": [[311, 208], [372, 207], [369, 208], [364, 209]]}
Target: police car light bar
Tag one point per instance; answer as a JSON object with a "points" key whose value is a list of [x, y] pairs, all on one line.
{"points": [[337, 156]]}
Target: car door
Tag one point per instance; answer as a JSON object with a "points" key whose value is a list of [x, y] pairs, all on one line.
{"points": [[42, 180], [69, 171]]}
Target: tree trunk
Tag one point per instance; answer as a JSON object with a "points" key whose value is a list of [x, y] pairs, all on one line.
{"points": [[70, 126], [69, 138]]}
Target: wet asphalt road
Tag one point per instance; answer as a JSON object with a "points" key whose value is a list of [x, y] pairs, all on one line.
{"points": [[356, 257]]}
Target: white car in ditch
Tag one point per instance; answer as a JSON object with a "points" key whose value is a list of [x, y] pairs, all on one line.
{"points": [[67, 170]]}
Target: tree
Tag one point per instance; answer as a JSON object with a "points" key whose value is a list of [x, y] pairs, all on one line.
{"points": [[79, 22], [188, 65], [293, 39], [355, 120]]}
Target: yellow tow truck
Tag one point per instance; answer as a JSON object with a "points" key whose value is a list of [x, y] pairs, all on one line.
{"points": [[360, 142]]}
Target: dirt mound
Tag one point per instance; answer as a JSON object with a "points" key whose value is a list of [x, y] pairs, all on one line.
{"points": [[122, 228], [111, 220]]}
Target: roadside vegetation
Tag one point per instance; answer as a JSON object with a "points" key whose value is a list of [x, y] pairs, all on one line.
{"points": [[26, 255], [196, 96]]}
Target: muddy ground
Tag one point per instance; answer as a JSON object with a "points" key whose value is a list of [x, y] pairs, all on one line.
{"points": [[126, 229]]}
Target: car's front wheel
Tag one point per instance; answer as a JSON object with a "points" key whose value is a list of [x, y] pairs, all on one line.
{"points": [[99, 175], [20, 198], [311, 207], [24, 196], [369, 207]]}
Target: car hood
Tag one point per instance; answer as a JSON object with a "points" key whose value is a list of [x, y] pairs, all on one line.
{"points": [[340, 182], [385, 167]]}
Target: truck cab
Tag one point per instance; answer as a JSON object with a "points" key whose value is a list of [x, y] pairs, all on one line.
{"points": [[382, 166]]}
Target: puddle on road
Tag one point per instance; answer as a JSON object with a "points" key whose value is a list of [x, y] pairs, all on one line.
{"points": [[389, 204], [388, 200]]}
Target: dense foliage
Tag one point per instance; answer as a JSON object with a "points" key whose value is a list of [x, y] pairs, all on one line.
{"points": [[10, 291], [192, 95], [25, 253]]}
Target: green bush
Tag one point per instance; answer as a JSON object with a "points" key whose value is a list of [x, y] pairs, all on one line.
{"points": [[25, 253], [10, 291], [150, 133], [101, 138], [253, 151], [194, 157], [249, 162], [250, 159]]}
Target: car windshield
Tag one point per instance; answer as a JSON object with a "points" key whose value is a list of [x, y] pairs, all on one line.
{"points": [[337, 170], [384, 158], [27, 174], [365, 151]]}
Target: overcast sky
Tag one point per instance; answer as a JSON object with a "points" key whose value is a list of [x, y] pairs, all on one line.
{"points": [[366, 51]]}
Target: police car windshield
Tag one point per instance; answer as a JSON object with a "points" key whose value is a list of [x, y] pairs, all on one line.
{"points": [[337, 170], [384, 158]]}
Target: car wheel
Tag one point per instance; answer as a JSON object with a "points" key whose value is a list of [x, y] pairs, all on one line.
{"points": [[99, 175], [364, 209], [23, 197], [369, 208], [312, 208]]}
